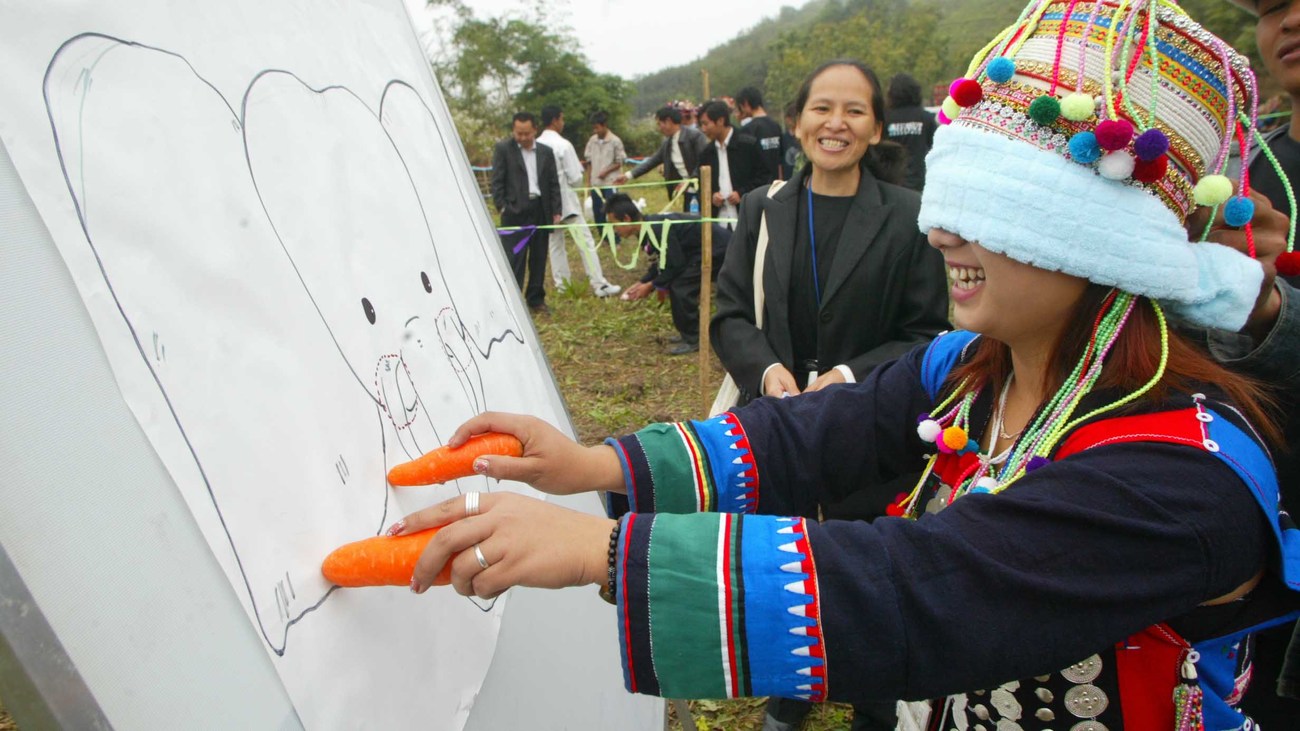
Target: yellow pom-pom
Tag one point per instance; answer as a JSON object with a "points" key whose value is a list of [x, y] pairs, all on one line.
{"points": [[954, 437], [951, 108], [1077, 107], [1213, 190]]}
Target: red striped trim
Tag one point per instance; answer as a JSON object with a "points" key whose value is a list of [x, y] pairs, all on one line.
{"points": [[626, 535], [751, 465], [631, 473], [1177, 427], [701, 491], [733, 678]]}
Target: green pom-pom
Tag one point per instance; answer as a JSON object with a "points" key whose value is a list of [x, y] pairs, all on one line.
{"points": [[1213, 190], [1045, 110], [951, 108], [1077, 107]]}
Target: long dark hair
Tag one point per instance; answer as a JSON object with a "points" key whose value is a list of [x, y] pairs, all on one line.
{"points": [[885, 160], [1131, 362]]}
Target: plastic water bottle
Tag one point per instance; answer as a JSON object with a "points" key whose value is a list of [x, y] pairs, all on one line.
{"points": [[695, 206]]}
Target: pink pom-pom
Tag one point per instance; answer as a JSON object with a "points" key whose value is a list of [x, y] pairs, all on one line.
{"points": [[1288, 264], [942, 118], [1114, 134], [966, 92], [1149, 171]]}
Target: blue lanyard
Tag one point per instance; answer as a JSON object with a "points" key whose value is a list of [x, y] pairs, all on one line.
{"points": [[812, 243]]}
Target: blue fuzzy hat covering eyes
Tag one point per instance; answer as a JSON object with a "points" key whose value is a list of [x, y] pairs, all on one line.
{"points": [[1040, 208]]}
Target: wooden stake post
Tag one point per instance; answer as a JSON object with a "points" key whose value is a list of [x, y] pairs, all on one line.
{"points": [[706, 284]]}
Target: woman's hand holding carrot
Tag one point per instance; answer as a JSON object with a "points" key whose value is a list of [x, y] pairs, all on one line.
{"points": [[523, 541], [551, 462]]}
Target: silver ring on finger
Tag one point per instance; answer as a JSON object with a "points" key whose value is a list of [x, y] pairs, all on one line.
{"points": [[471, 504], [478, 554]]}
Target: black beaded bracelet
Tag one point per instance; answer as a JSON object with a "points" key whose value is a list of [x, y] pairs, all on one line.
{"points": [[607, 589]]}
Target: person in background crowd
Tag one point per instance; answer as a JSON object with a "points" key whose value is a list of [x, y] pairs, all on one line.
{"points": [[757, 124], [790, 149], [1099, 496], [526, 192], [679, 155], [910, 125], [849, 281], [677, 275], [604, 158], [734, 173], [569, 170], [1274, 698], [690, 113]]}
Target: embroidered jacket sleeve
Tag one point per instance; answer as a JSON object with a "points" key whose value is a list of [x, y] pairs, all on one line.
{"points": [[1075, 556], [821, 445]]}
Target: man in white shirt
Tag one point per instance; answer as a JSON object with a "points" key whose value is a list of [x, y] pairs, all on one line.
{"points": [[604, 156], [734, 158], [569, 171]]}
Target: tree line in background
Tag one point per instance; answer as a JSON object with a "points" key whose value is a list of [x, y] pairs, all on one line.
{"points": [[491, 67], [933, 40]]}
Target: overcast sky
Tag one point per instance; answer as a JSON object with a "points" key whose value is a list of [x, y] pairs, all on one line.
{"points": [[635, 37]]}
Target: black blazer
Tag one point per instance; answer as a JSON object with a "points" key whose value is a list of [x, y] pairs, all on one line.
{"points": [[691, 140], [510, 180], [887, 290], [744, 162]]}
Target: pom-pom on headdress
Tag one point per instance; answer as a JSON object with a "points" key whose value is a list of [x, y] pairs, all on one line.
{"points": [[1083, 136]]}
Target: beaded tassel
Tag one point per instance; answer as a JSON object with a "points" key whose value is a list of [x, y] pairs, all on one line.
{"points": [[1187, 697]]}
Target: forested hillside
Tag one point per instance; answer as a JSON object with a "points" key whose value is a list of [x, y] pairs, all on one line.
{"points": [[931, 39]]}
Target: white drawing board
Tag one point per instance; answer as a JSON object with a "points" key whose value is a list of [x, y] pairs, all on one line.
{"points": [[267, 219]]}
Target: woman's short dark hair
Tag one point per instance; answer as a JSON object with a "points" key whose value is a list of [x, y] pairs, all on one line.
{"points": [[886, 160], [621, 205], [904, 91]]}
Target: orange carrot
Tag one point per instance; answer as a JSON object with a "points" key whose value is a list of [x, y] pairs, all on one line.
{"points": [[381, 561], [445, 464]]}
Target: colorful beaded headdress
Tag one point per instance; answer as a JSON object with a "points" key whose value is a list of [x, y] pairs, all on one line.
{"points": [[1082, 138]]}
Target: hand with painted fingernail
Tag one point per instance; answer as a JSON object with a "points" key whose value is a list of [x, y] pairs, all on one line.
{"points": [[548, 460]]}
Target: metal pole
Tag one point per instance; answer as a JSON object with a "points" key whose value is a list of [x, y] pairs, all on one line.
{"points": [[705, 74], [706, 281]]}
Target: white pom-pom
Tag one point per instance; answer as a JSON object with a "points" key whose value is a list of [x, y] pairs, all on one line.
{"points": [[929, 430], [986, 484], [1117, 165]]}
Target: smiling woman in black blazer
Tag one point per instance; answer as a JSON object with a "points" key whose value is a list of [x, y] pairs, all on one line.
{"points": [[849, 280], [879, 287]]}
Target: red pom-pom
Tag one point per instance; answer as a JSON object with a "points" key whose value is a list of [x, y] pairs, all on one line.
{"points": [[896, 508], [1288, 264], [966, 92], [1149, 171], [1114, 134]]}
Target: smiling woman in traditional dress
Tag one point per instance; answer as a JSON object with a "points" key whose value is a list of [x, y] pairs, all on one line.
{"points": [[1098, 527]]}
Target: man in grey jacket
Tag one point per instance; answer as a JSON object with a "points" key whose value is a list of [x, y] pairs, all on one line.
{"points": [[679, 154]]}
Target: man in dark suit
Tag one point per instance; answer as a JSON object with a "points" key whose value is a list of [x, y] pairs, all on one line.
{"points": [[735, 173], [677, 274], [526, 192], [679, 154]]}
